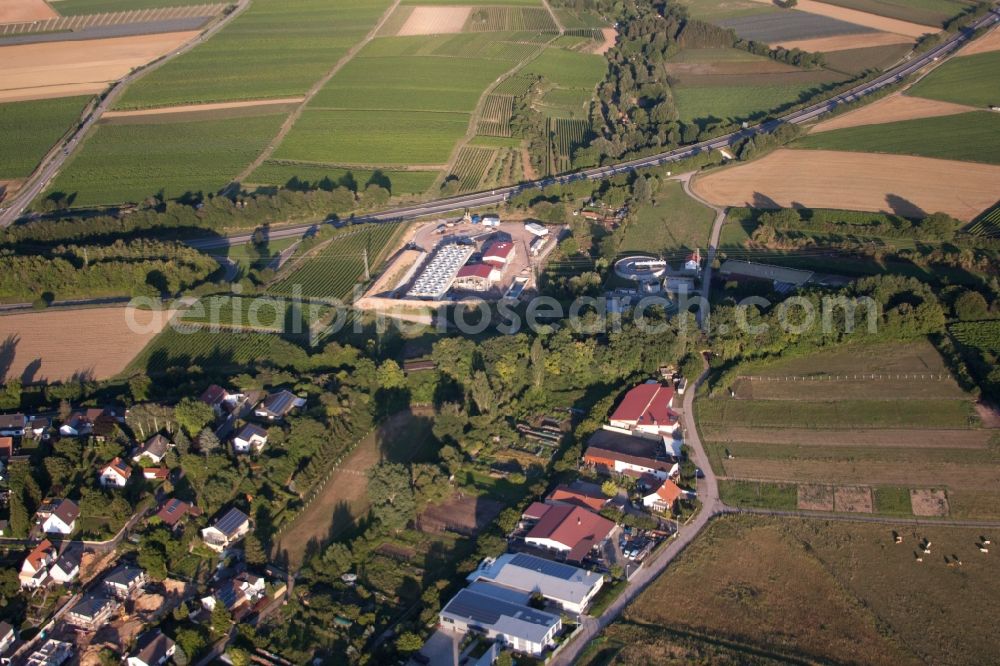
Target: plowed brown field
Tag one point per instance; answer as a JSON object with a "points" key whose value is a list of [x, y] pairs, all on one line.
{"points": [[854, 181]]}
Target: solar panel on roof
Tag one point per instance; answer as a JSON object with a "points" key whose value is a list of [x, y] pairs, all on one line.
{"points": [[543, 566]]}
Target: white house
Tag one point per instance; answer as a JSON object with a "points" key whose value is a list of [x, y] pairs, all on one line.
{"points": [[250, 438], [152, 649], [227, 530], [115, 474], [58, 516]]}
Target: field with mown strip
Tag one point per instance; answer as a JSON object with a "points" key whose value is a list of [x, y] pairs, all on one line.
{"points": [[970, 137], [276, 48], [273, 172], [970, 80], [670, 224], [332, 271], [928, 12], [373, 137], [842, 590], [29, 129], [80, 7], [470, 167], [121, 163]]}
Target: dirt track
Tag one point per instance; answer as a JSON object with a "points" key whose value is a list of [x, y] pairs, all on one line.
{"points": [[892, 109], [192, 108], [845, 42], [855, 181], [58, 344], [435, 21], [22, 11], [984, 44], [58, 69]]}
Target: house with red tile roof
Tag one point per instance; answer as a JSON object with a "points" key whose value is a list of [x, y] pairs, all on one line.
{"points": [[647, 409], [569, 530]]}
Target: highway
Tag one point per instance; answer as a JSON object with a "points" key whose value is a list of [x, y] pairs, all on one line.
{"points": [[55, 158], [499, 195]]}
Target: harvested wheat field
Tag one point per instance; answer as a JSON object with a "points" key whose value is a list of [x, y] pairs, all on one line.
{"points": [[23, 11], [844, 42], [985, 44], [892, 109], [59, 344], [435, 21], [197, 108], [929, 502], [873, 21], [58, 69], [905, 185]]}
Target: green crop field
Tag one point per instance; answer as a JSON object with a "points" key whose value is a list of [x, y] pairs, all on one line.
{"points": [[274, 172], [968, 80], [734, 102], [971, 137], [277, 48], [569, 69], [470, 167], [927, 12], [672, 223], [80, 7], [29, 129], [129, 163], [987, 224], [374, 137], [332, 273]]}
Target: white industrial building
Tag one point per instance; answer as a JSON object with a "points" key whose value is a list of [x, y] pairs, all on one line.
{"points": [[436, 277], [571, 588]]}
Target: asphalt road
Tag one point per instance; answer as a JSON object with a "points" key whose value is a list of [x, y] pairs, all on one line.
{"points": [[54, 160], [499, 195]]}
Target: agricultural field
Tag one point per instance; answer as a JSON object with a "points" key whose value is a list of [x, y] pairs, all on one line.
{"points": [[856, 421], [274, 49], [60, 344], [275, 172], [970, 137], [193, 157], [908, 186], [333, 271], [842, 590], [81, 7], [471, 166], [672, 225], [969, 80], [29, 129]]}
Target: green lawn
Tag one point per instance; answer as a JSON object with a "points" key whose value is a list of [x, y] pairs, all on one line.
{"points": [[971, 80], [128, 163], [373, 137], [277, 48], [672, 223], [29, 129], [78, 7], [971, 137], [400, 182]]}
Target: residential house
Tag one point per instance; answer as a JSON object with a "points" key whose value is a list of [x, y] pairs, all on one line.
{"points": [[579, 493], [250, 438], [647, 409], [227, 530], [80, 423], [503, 615], [152, 649], [52, 653], [12, 425], [569, 587], [664, 498], [174, 510], [115, 474], [58, 516], [92, 612], [35, 568], [154, 450], [7, 638], [124, 581], [612, 452], [278, 405], [66, 568], [569, 530]]}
